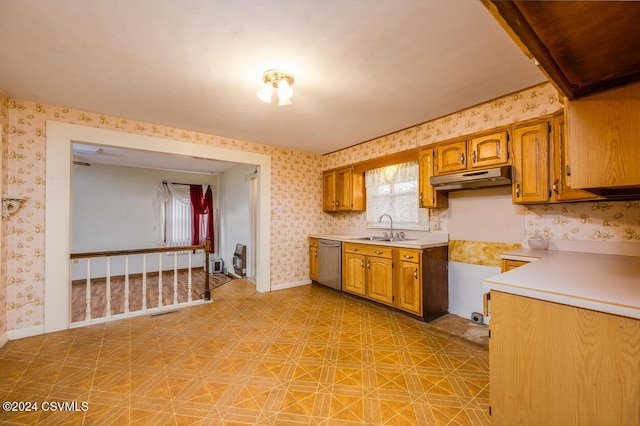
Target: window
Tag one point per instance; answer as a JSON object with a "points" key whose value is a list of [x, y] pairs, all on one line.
{"points": [[393, 190], [178, 218]]}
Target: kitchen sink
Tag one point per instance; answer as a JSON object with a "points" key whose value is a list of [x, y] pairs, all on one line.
{"points": [[376, 238]]}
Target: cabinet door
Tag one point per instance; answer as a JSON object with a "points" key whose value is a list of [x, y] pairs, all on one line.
{"points": [[313, 263], [602, 133], [451, 157], [508, 264], [410, 287], [561, 178], [353, 273], [429, 198], [531, 163], [329, 191], [380, 279], [343, 189], [489, 150]]}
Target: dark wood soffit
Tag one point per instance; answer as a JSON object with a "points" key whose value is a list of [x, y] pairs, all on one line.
{"points": [[584, 47]]}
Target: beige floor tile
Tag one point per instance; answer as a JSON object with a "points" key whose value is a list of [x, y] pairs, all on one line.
{"points": [[305, 355]]}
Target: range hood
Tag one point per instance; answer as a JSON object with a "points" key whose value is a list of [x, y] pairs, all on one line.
{"points": [[498, 176]]}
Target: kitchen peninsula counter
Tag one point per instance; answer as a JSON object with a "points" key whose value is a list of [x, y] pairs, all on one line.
{"points": [[564, 346], [600, 282]]}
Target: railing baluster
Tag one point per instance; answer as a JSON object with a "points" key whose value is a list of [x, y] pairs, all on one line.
{"points": [[144, 282], [160, 281], [126, 284], [189, 280], [87, 316], [175, 278], [131, 287], [108, 308]]}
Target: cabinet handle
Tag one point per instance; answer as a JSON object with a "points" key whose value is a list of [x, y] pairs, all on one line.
{"points": [[462, 158], [362, 263], [415, 274], [568, 170], [337, 204], [518, 190], [354, 249], [378, 252], [420, 199], [369, 264], [485, 303], [474, 156], [408, 257], [555, 186]]}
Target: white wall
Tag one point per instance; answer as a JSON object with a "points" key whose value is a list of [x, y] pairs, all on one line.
{"points": [[235, 217], [111, 209], [486, 215]]}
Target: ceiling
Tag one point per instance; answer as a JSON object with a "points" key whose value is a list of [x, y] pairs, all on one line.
{"points": [[362, 68]]}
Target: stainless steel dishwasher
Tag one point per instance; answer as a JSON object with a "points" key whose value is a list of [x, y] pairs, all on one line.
{"points": [[330, 263]]}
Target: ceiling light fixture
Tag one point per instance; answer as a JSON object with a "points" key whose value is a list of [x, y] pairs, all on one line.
{"points": [[279, 80]]}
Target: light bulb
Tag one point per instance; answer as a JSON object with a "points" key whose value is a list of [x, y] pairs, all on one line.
{"points": [[265, 93], [285, 92]]}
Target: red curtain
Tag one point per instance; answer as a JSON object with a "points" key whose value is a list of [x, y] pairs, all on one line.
{"points": [[201, 205]]}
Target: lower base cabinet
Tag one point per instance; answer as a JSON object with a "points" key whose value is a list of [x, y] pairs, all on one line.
{"points": [[411, 280], [553, 364]]}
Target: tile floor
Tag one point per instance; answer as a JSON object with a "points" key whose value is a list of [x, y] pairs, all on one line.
{"points": [[301, 356]]}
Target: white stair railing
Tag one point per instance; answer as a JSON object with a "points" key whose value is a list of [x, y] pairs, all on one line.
{"points": [[127, 308]]}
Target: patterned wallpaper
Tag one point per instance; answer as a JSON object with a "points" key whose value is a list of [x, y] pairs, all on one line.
{"points": [[612, 222], [4, 123], [296, 185], [530, 103]]}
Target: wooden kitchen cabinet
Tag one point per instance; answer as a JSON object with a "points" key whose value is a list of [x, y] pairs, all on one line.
{"points": [[313, 259], [554, 364], [429, 197], [560, 169], [353, 272], [343, 190], [489, 150], [412, 280], [480, 152], [451, 157], [602, 137], [379, 279], [508, 264], [531, 163], [367, 270]]}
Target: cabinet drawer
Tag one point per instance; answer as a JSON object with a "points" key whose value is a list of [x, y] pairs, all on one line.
{"points": [[368, 250], [409, 255]]}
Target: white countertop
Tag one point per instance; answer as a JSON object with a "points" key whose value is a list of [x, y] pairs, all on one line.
{"points": [[410, 243], [601, 282]]}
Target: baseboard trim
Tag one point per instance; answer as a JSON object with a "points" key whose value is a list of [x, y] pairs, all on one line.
{"points": [[290, 285], [25, 332], [4, 339]]}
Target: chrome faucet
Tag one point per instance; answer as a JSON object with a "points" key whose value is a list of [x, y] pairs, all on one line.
{"points": [[391, 228]]}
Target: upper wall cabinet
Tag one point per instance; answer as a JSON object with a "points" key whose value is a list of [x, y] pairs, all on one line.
{"points": [[560, 171], [531, 163], [480, 152], [602, 134], [429, 197], [343, 190]]}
